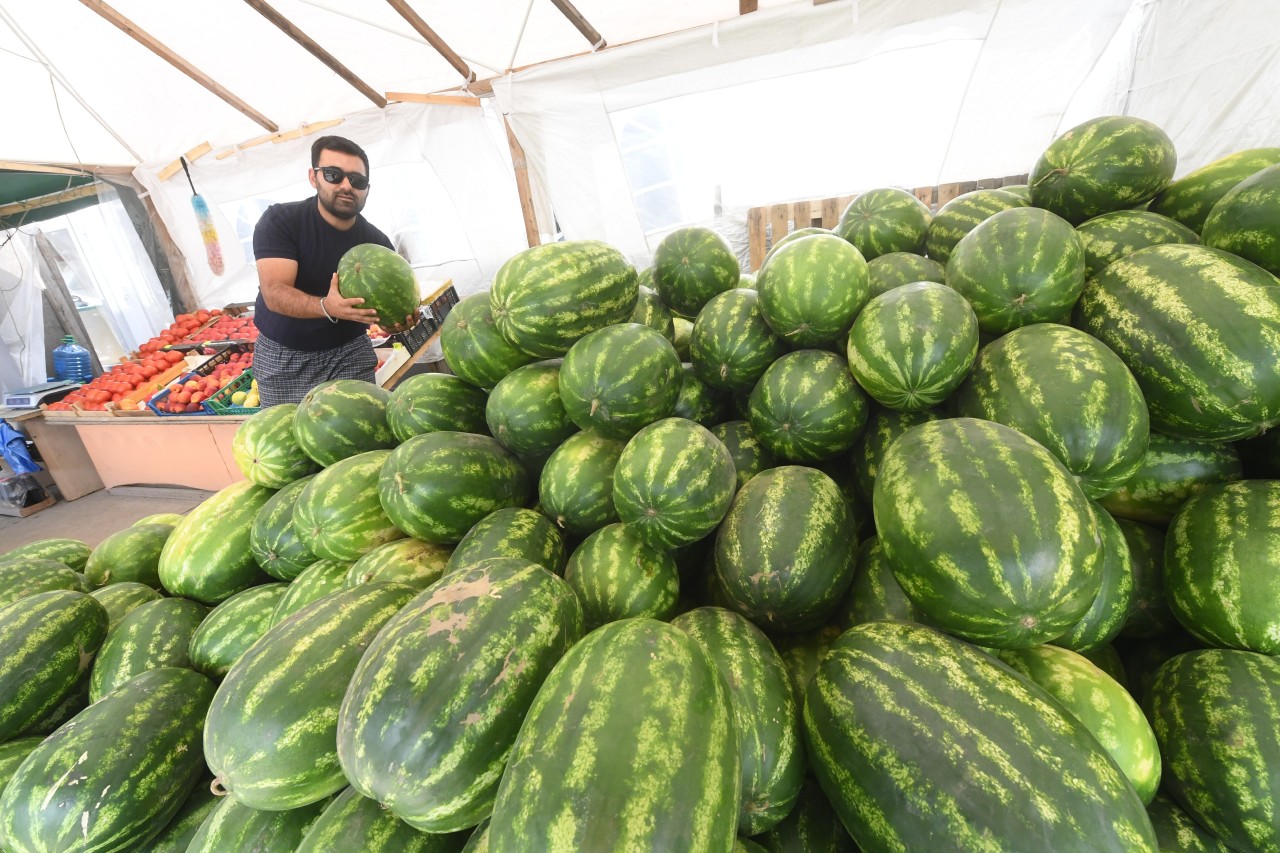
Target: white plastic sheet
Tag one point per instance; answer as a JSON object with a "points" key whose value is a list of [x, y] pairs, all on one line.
{"points": [[22, 350]]}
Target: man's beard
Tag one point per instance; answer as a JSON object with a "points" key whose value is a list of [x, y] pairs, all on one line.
{"points": [[348, 211]]}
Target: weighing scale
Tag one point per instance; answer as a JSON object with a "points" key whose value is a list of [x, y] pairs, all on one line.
{"points": [[45, 392]]}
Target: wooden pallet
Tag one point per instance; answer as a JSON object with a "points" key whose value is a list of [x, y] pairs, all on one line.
{"points": [[769, 223]]}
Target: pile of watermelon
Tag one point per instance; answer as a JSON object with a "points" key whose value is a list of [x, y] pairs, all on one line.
{"points": [[953, 531]]}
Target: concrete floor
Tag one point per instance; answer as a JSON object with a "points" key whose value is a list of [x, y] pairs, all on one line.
{"points": [[94, 517]]}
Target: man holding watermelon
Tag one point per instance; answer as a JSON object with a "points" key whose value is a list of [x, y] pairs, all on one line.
{"points": [[309, 331]]}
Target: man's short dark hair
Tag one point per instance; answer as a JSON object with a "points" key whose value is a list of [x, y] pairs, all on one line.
{"points": [[340, 144]]}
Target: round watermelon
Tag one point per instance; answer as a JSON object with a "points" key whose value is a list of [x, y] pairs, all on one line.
{"points": [[731, 345], [339, 515], [341, 418], [383, 279], [884, 220], [618, 576], [898, 268], [618, 379], [699, 402], [961, 215], [690, 266], [807, 408], [472, 347], [812, 290], [525, 412], [575, 489]]}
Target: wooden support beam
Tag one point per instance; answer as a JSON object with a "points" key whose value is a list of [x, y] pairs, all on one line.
{"points": [[60, 298], [419, 25], [523, 186], [13, 166], [445, 100], [157, 47], [285, 136], [193, 155], [310, 45], [19, 207], [745, 6], [581, 24]]}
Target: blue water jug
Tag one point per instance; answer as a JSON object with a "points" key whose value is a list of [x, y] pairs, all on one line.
{"points": [[71, 361]]}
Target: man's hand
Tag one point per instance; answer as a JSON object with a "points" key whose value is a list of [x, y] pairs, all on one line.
{"points": [[408, 323], [342, 308]]}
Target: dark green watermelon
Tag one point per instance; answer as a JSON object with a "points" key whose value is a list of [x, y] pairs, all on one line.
{"points": [[1246, 220], [691, 265], [1118, 234], [619, 379], [430, 402], [472, 346], [383, 279], [885, 220]]}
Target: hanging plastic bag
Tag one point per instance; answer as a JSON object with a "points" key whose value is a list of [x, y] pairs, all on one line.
{"points": [[13, 445]]}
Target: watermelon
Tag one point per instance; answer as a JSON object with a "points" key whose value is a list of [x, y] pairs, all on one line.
{"points": [[1142, 659], [1110, 610], [266, 450], [1101, 705], [812, 290], [731, 345], [182, 828], [436, 486], [895, 269], [73, 553], [698, 401], [316, 581], [525, 412], [886, 220], [119, 598], [617, 576], [235, 826], [167, 518], [1190, 198], [750, 457], [1171, 471], [128, 785], [271, 733], [383, 279], [546, 297], [339, 515], [1177, 832], [634, 700], [1070, 393], [352, 822], [431, 402], [132, 554], [1246, 219], [961, 215], [511, 532], [619, 379], [807, 408], [785, 552], [575, 489], [883, 428], [911, 347], [1214, 714], [407, 561], [472, 346], [991, 570], [875, 593], [811, 827], [47, 644], [1022, 191], [691, 265], [153, 635], [684, 329], [275, 543], [1021, 266], [919, 739], [764, 712], [435, 705], [1118, 234], [779, 242], [1149, 614], [232, 627], [673, 483], [25, 577], [651, 312], [12, 754], [207, 557], [1107, 659], [1201, 333], [341, 418], [1105, 164]]}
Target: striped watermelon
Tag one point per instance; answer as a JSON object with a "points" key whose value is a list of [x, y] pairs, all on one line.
{"points": [[690, 266], [812, 289], [1190, 198], [576, 487], [25, 577], [1101, 705], [807, 408], [356, 823], [132, 554], [128, 786], [407, 561], [339, 515], [207, 557], [920, 740], [276, 545], [886, 220], [383, 279], [1022, 191], [634, 700], [266, 450], [546, 297], [883, 428], [651, 312], [1177, 832], [1219, 571], [12, 754], [764, 711], [167, 518], [235, 826], [151, 636], [181, 830], [1200, 332], [1171, 471], [875, 593], [1246, 219], [73, 553], [995, 571], [779, 242], [434, 707], [684, 329], [962, 214], [431, 402], [1112, 236], [525, 412], [811, 827], [731, 345], [911, 347], [1215, 714], [895, 269], [698, 401], [617, 576], [1105, 164], [619, 379], [1142, 659], [269, 749], [511, 532], [1149, 614], [673, 483], [119, 598], [47, 644], [750, 457], [341, 418], [785, 552], [1110, 610], [1019, 267], [436, 486], [472, 346], [1070, 393], [316, 581], [232, 627]]}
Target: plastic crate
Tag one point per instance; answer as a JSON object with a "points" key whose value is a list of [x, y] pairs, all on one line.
{"points": [[164, 395], [413, 339], [220, 403], [220, 358]]}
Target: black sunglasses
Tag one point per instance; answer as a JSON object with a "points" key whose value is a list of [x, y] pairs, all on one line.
{"points": [[334, 175]]}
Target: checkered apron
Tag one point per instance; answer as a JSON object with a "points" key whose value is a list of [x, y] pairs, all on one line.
{"points": [[285, 375]]}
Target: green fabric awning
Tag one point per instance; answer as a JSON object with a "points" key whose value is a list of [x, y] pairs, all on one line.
{"points": [[33, 187]]}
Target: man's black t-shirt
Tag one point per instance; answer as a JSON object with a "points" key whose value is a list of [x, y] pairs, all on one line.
{"points": [[297, 231]]}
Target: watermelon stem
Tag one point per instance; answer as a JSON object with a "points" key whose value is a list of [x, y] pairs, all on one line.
{"points": [[217, 788]]}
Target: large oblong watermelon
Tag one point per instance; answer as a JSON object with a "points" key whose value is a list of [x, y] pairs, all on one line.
{"points": [[339, 514], [382, 278]]}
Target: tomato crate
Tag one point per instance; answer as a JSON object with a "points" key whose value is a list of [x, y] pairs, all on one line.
{"points": [[154, 403], [221, 358], [220, 403]]}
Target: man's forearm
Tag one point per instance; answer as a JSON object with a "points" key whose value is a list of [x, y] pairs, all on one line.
{"points": [[292, 302]]}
